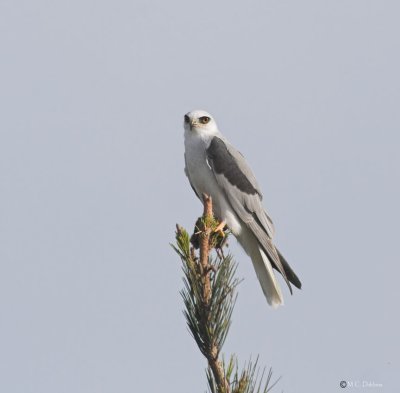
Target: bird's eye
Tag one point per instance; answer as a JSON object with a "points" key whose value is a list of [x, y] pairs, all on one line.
{"points": [[204, 119], [187, 119]]}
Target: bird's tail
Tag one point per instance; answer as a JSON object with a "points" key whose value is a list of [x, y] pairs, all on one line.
{"points": [[266, 276]]}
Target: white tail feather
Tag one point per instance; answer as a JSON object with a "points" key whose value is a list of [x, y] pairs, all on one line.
{"points": [[263, 268], [266, 276]]}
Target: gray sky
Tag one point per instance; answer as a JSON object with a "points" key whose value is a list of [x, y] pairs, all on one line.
{"points": [[92, 96]]}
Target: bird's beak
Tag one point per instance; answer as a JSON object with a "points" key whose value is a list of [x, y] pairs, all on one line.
{"points": [[193, 123]]}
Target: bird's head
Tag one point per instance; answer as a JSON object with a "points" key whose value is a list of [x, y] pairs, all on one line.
{"points": [[200, 122]]}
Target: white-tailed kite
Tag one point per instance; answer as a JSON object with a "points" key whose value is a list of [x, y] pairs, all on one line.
{"points": [[214, 167]]}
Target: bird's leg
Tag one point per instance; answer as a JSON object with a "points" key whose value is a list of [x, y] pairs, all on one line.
{"points": [[220, 228]]}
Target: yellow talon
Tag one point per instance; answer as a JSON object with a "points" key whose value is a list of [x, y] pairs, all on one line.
{"points": [[220, 228]]}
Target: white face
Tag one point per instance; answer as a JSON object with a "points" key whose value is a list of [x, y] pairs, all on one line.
{"points": [[200, 122]]}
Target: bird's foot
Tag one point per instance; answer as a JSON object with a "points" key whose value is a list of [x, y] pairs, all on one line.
{"points": [[220, 228]]}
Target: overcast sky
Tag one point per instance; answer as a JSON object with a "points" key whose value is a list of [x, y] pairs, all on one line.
{"points": [[92, 97]]}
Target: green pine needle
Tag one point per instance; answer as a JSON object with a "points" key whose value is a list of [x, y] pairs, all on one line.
{"points": [[209, 323]]}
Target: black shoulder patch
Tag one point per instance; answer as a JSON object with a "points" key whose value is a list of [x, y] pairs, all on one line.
{"points": [[225, 164]]}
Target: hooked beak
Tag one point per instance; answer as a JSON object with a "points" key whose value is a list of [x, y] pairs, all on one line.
{"points": [[192, 122]]}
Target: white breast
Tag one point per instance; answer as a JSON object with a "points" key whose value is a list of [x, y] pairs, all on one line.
{"points": [[198, 169]]}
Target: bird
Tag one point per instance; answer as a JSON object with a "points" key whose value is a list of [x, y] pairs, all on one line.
{"points": [[214, 167]]}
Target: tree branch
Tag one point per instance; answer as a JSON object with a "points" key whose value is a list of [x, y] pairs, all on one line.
{"points": [[205, 246], [209, 298]]}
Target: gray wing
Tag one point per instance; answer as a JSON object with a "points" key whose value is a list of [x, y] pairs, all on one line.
{"points": [[238, 182], [231, 169]]}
